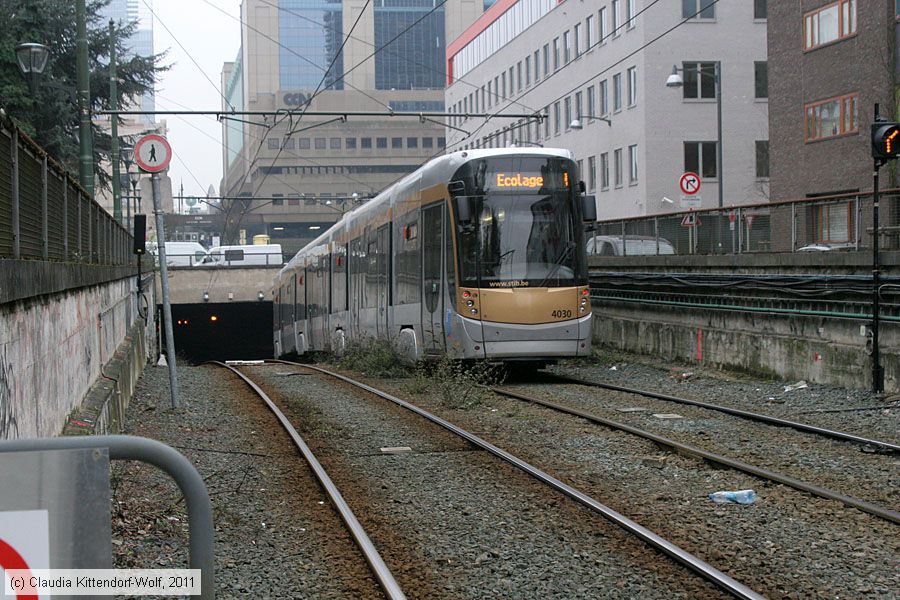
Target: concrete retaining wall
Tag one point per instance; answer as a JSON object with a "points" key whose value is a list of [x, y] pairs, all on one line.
{"points": [[53, 347], [817, 349]]}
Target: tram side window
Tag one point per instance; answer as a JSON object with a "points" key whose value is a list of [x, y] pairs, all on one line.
{"points": [[408, 262], [275, 322], [357, 273], [301, 295], [324, 287], [451, 263], [339, 279], [370, 298]]}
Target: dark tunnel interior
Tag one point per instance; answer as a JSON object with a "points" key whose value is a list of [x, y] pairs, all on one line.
{"points": [[221, 331]]}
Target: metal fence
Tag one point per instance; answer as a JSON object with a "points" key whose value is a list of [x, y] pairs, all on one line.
{"points": [[46, 215], [834, 223]]}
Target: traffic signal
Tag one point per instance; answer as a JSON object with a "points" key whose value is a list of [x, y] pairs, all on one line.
{"points": [[885, 140]]}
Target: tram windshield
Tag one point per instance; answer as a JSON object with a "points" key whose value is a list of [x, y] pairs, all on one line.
{"points": [[523, 228]]}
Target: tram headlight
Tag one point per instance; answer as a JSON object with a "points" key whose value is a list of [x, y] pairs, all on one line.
{"points": [[474, 311], [470, 303]]}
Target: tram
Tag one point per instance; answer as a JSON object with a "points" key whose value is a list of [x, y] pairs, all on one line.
{"points": [[478, 254]]}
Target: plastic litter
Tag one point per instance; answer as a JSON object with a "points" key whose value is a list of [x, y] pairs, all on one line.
{"points": [[738, 497], [613, 368], [796, 386], [162, 361]]}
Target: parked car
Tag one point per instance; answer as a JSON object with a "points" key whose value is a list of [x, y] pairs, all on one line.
{"points": [[634, 245], [239, 256], [821, 247]]}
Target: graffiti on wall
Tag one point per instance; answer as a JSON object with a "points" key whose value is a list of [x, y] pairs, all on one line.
{"points": [[9, 428]]}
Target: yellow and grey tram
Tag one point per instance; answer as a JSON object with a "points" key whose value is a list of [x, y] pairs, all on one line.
{"points": [[477, 254]]}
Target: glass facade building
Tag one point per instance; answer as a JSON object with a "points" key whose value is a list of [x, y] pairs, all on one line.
{"points": [[415, 60], [141, 41], [310, 33]]}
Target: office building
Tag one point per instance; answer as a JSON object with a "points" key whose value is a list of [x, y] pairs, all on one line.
{"points": [[598, 61], [295, 174]]}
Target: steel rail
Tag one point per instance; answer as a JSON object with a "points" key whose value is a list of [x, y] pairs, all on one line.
{"points": [[770, 420], [692, 562], [869, 507], [380, 570]]}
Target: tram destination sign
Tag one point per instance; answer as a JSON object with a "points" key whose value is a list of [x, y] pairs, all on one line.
{"points": [[518, 180]]}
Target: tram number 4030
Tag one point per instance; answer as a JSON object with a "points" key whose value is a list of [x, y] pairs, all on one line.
{"points": [[561, 314]]}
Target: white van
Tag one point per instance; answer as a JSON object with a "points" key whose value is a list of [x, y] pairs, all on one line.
{"points": [[180, 254], [634, 245], [240, 256]]}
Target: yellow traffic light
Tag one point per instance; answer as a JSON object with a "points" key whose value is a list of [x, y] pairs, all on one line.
{"points": [[885, 140]]}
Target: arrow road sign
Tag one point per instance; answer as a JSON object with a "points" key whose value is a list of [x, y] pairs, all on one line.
{"points": [[690, 183], [152, 153], [690, 220]]}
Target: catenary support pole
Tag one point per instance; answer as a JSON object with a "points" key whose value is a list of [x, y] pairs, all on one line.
{"points": [[114, 125], [82, 79], [164, 280], [877, 375]]}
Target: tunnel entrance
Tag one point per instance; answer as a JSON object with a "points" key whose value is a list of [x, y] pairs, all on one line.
{"points": [[221, 331]]}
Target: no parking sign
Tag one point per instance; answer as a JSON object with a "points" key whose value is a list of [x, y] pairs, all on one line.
{"points": [[24, 542]]}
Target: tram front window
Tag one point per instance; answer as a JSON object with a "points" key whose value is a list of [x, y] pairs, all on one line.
{"points": [[519, 240]]}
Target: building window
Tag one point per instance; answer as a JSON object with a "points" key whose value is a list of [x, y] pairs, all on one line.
{"points": [[335, 143], [604, 171], [615, 17], [632, 86], [442, 142], [699, 80], [834, 222], [632, 165], [604, 98], [350, 143], [761, 79], [592, 173], [832, 117], [700, 9], [578, 106], [762, 159], [617, 92], [829, 24], [303, 143], [580, 165], [591, 102], [602, 30], [277, 199], [320, 143], [577, 40], [527, 70], [567, 104], [617, 166], [427, 142], [288, 143], [555, 54], [537, 65], [503, 85], [760, 9], [381, 142], [589, 33], [365, 143], [567, 47], [556, 117], [546, 59], [629, 13], [272, 143], [700, 158], [547, 122], [396, 143], [412, 142]]}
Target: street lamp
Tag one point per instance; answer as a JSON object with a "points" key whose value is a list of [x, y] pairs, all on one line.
{"points": [[135, 177], [32, 59], [675, 81], [577, 124]]}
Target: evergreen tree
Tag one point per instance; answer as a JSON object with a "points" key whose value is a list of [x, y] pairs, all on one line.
{"points": [[50, 115]]}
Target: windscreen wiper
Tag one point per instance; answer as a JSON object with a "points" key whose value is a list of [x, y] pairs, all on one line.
{"points": [[557, 263]]}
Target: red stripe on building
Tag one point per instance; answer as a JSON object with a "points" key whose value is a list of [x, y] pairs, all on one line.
{"points": [[480, 24]]}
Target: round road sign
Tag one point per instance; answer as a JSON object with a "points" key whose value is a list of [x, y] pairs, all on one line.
{"points": [[152, 153], [690, 183]]}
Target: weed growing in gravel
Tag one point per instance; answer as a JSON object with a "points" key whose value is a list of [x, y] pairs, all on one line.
{"points": [[458, 384], [373, 357]]}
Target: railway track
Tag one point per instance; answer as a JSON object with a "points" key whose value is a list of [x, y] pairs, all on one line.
{"points": [[379, 569], [695, 564], [714, 458], [886, 446]]}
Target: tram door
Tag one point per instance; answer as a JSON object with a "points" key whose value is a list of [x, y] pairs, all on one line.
{"points": [[383, 253], [356, 281], [432, 279]]}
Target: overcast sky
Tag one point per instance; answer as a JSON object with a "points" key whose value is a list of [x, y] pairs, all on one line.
{"points": [[210, 38]]}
